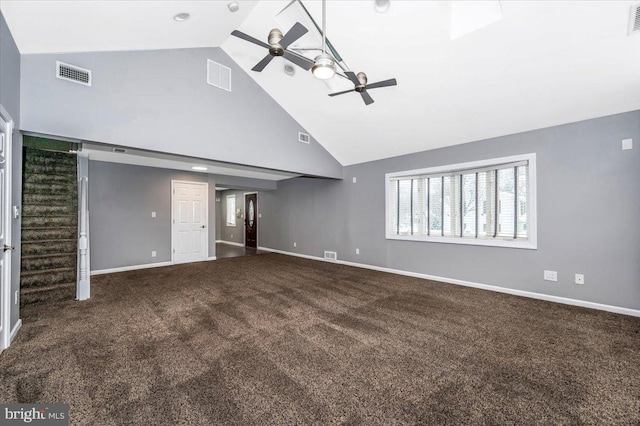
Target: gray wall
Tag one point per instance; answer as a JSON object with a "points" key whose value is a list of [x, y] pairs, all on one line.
{"points": [[121, 199], [159, 100], [10, 100], [588, 195]]}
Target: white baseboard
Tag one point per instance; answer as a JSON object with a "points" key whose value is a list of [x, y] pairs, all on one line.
{"points": [[130, 268], [14, 330], [532, 295], [210, 258], [231, 243]]}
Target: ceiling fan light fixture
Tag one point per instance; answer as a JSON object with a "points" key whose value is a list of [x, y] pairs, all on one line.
{"points": [[324, 67]]}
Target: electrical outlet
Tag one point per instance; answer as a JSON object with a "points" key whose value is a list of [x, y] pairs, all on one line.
{"points": [[231, 235], [357, 251], [153, 214], [579, 279], [259, 215], [295, 244], [153, 254], [355, 180], [15, 297], [550, 275]]}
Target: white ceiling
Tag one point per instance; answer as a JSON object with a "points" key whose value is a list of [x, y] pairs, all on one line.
{"points": [[544, 63]]}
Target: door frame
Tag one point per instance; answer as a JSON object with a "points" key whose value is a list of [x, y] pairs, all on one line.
{"points": [[5, 290], [173, 219], [244, 225]]}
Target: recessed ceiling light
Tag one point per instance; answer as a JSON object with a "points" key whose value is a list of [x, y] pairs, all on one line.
{"points": [[233, 6], [199, 168], [181, 17], [381, 6]]}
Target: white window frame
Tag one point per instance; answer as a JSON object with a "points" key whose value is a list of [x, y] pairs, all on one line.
{"points": [[231, 214], [532, 230]]}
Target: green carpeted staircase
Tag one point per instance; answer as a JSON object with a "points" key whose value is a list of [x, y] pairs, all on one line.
{"points": [[49, 227]]}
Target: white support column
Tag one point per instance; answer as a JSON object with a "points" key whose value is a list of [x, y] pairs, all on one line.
{"points": [[83, 289]]}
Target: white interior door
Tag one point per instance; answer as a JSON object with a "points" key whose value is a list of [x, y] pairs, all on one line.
{"points": [[189, 222], [6, 129]]}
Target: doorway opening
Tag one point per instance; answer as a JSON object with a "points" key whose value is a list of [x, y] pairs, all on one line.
{"points": [[237, 223]]}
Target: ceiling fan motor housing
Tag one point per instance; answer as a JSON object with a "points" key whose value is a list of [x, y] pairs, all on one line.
{"points": [[362, 78], [275, 35]]}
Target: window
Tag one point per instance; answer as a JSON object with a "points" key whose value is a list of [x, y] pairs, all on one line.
{"points": [[231, 210], [489, 202]]}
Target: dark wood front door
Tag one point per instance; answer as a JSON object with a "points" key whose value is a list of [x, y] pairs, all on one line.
{"points": [[251, 220]]}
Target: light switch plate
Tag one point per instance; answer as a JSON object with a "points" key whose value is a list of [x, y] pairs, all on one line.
{"points": [[16, 212], [627, 144], [153, 214]]}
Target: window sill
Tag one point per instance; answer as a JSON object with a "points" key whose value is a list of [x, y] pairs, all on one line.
{"points": [[518, 244]]}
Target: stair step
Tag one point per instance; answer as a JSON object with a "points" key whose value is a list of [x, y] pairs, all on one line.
{"points": [[47, 277], [52, 293], [44, 234], [48, 247], [48, 210], [49, 169], [48, 221], [47, 262], [40, 156], [69, 189], [50, 199], [49, 178]]}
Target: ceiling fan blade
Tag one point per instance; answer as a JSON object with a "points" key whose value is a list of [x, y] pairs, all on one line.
{"points": [[386, 83], [352, 76], [248, 38], [297, 31], [299, 60], [263, 63], [366, 98], [342, 93]]}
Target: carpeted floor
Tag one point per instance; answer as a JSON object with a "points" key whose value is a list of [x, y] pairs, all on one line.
{"points": [[273, 339]]}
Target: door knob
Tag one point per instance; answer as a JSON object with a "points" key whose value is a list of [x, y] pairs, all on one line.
{"points": [[6, 247], [203, 226]]}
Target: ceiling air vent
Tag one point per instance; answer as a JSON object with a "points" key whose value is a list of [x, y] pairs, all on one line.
{"points": [[218, 75], [73, 73], [119, 150], [634, 19], [304, 138]]}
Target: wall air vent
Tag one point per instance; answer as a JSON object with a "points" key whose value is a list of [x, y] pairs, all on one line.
{"points": [[218, 75], [119, 150], [330, 255], [634, 19], [304, 138], [73, 73]]}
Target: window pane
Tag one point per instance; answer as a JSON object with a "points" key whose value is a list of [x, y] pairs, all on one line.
{"points": [[393, 207], [522, 201], [506, 207], [435, 206], [404, 207], [469, 205], [486, 203], [231, 210], [451, 220], [419, 216]]}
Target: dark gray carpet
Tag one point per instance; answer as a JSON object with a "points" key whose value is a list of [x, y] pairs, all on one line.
{"points": [[272, 339]]}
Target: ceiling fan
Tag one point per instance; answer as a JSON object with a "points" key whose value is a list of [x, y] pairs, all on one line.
{"points": [[361, 86], [277, 46]]}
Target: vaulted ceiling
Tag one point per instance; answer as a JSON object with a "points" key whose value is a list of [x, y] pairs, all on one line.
{"points": [[466, 71]]}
